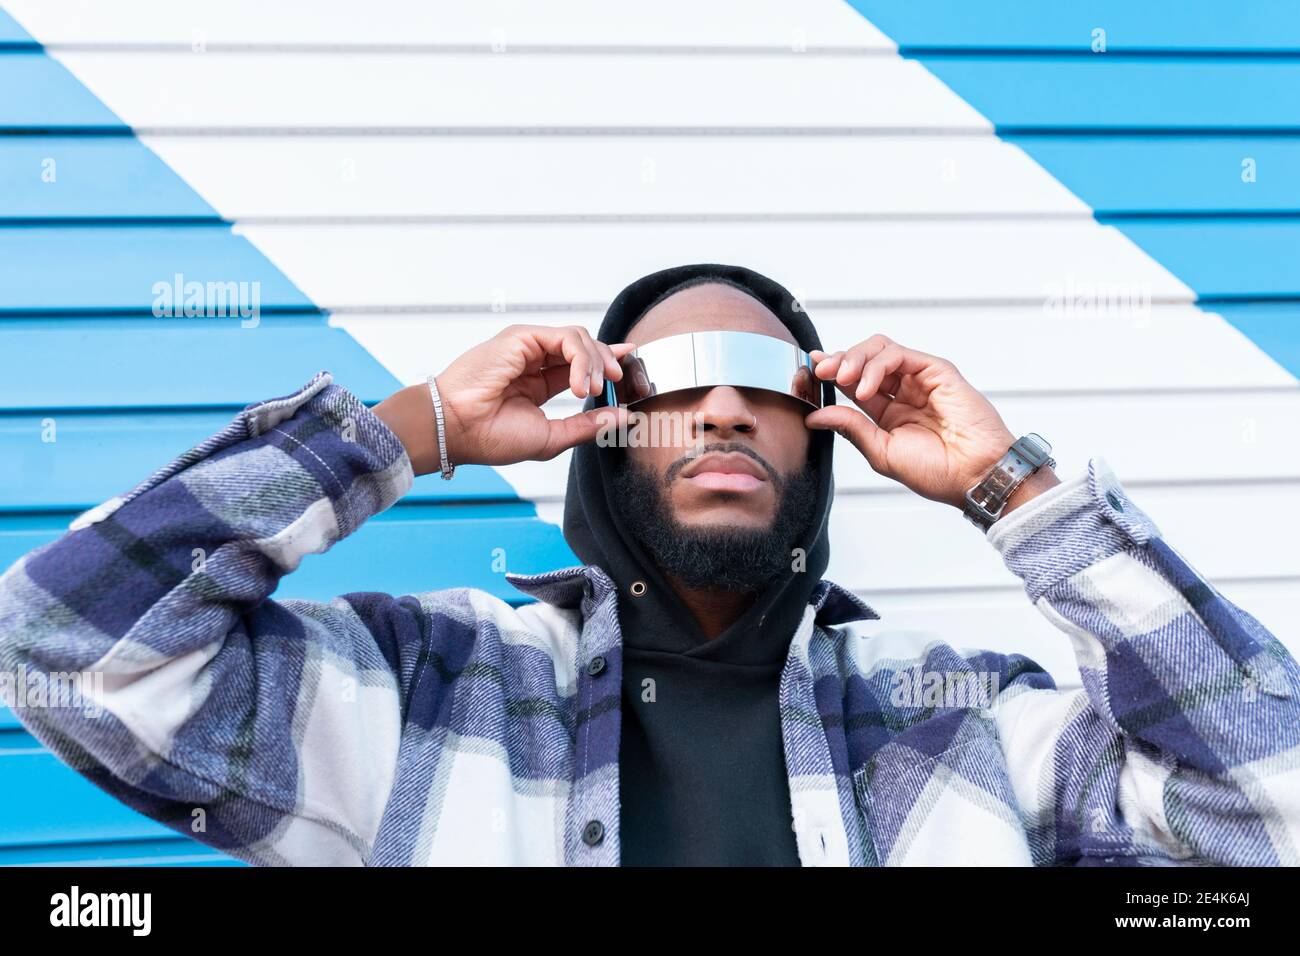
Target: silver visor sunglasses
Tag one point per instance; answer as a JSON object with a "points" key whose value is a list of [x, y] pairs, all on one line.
{"points": [[706, 359]]}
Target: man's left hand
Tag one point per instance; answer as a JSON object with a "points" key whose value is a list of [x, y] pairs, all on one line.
{"points": [[917, 420]]}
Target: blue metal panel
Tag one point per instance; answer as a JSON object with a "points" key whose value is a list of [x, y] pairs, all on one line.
{"points": [[1174, 175], [11, 34], [37, 93], [1053, 92], [1203, 25], [93, 456], [96, 455], [1274, 327], [92, 269], [62, 178], [42, 802], [173, 851], [1232, 258], [210, 362]]}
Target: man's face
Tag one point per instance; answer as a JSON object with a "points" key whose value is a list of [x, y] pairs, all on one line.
{"points": [[753, 441]]}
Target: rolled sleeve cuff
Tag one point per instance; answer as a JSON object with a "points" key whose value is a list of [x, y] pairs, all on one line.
{"points": [[1070, 527]]}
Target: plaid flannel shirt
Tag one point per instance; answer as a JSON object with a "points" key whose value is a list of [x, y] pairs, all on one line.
{"points": [[451, 727]]}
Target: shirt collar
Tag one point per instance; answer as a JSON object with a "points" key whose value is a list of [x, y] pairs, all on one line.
{"points": [[563, 588], [838, 605]]}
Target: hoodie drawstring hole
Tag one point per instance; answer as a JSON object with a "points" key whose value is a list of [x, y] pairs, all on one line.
{"points": [[638, 588]]}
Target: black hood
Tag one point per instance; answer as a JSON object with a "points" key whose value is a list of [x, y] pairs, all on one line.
{"points": [[657, 620]]}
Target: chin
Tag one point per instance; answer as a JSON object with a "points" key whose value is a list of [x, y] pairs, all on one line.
{"points": [[739, 514]]}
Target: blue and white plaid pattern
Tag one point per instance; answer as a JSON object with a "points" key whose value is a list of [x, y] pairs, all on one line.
{"points": [[449, 727]]}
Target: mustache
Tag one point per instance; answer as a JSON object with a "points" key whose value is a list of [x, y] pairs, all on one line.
{"points": [[722, 447]]}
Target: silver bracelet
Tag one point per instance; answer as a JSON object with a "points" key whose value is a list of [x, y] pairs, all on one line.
{"points": [[448, 469]]}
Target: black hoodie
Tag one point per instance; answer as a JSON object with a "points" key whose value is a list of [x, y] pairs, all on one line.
{"points": [[701, 767]]}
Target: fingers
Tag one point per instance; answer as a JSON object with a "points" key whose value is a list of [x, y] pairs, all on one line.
{"points": [[872, 372], [587, 374], [614, 362], [892, 359], [831, 367], [875, 406], [849, 375], [570, 346], [587, 362], [555, 379], [580, 428], [868, 437], [639, 385]]}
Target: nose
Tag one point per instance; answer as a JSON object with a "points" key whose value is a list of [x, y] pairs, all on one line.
{"points": [[724, 411]]}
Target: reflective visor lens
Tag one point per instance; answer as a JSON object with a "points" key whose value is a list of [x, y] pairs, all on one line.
{"points": [[705, 359]]}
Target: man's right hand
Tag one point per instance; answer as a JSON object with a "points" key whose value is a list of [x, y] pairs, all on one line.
{"points": [[492, 397]]}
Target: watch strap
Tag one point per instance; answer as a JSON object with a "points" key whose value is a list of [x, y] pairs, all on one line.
{"points": [[985, 501]]}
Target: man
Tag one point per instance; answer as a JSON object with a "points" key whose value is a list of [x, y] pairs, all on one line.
{"points": [[696, 692]]}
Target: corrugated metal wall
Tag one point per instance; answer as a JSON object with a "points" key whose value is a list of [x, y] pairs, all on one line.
{"points": [[403, 178]]}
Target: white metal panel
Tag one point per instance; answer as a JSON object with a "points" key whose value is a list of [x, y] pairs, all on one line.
{"points": [[260, 177], [542, 264], [180, 91], [793, 24]]}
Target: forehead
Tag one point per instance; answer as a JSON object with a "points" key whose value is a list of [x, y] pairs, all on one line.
{"points": [[707, 307]]}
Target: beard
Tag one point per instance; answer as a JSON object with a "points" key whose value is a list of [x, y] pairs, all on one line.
{"points": [[714, 557]]}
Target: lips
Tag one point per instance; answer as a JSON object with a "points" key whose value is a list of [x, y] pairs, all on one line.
{"points": [[725, 481], [729, 471]]}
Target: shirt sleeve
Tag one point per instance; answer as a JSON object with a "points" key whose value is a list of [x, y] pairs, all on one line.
{"points": [[1184, 742], [266, 729]]}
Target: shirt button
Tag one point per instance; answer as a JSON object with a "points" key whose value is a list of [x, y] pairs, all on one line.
{"points": [[593, 832], [596, 665], [1115, 500]]}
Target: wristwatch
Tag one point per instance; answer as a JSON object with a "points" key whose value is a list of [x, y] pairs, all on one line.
{"points": [[985, 501]]}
